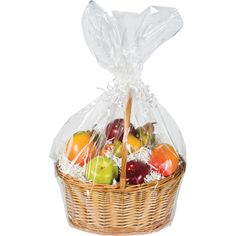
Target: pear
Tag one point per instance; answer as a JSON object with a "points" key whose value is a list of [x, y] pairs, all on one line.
{"points": [[146, 134], [117, 148]]}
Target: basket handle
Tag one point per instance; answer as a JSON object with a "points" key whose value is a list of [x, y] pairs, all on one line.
{"points": [[124, 141]]}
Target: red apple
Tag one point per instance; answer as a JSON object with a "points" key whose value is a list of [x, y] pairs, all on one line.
{"points": [[115, 129], [136, 171]]}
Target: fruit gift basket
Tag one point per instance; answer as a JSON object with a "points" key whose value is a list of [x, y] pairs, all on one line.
{"points": [[121, 159]]}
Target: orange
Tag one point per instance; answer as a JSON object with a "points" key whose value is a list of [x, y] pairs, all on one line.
{"points": [[80, 148], [164, 159]]}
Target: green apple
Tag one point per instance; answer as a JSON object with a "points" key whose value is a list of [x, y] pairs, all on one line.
{"points": [[101, 170]]}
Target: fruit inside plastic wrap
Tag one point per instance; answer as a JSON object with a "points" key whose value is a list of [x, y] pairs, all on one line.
{"points": [[90, 146], [164, 159], [136, 171], [80, 148], [102, 170], [100, 156]]}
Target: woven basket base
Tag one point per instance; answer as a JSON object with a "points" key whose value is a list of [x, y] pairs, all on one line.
{"points": [[119, 231], [110, 211]]}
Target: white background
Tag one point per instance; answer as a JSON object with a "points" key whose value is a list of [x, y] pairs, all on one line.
{"points": [[47, 73]]}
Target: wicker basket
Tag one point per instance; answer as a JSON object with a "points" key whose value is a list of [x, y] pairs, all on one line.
{"points": [[121, 209]]}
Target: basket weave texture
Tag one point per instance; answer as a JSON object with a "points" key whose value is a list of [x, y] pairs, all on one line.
{"points": [[121, 209], [137, 209]]}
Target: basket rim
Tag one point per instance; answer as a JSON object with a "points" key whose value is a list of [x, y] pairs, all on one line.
{"points": [[116, 187]]}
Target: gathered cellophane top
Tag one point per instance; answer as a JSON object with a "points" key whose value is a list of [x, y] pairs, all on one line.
{"points": [[90, 146]]}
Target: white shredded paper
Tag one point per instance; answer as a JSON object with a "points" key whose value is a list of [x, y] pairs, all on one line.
{"points": [[152, 176], [75, 171], [78, 172]]}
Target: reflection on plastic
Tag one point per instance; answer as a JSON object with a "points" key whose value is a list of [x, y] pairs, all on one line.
{"points": [[120, 160]]}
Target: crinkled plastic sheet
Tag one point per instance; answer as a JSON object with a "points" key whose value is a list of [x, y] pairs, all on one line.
{"points": [[121, 42]]}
